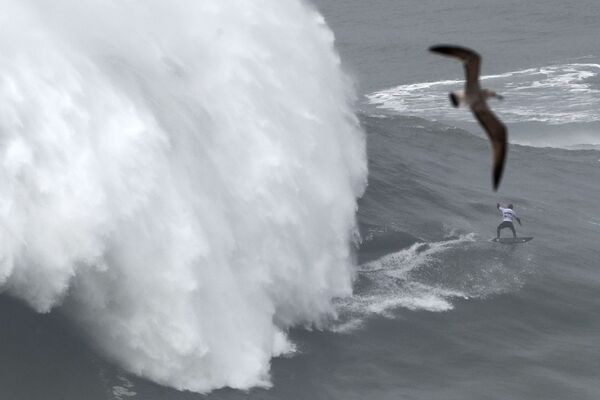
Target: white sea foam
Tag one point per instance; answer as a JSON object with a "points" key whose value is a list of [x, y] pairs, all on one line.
{"points": [[555, 94], [388, 284], [182, 175], [124, 390], [429, 277]]}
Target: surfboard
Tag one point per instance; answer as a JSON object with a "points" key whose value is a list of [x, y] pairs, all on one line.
{"points": [[507, 240]]}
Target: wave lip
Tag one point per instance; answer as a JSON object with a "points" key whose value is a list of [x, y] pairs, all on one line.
{"points": [[180, 177]]}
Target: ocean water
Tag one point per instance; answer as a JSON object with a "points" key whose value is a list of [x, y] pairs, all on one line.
{"points": [[187, 213]]}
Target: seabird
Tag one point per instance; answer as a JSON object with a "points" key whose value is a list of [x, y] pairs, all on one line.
{"points": [[475, 98]]}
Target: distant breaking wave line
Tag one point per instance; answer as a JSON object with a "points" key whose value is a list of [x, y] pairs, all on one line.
{"points": [[555, 94]]}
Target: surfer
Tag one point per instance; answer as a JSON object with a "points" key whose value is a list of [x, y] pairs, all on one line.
{"points": [[508, 215]]}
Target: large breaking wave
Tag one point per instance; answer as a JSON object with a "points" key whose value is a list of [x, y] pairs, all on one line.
{"points": [[181, 175]]}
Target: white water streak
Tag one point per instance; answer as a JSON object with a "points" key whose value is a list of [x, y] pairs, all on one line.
{"points": [[556, 94]]}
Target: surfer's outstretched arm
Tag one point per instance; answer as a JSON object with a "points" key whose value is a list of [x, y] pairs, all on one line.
{"points": [[498, 206], [518, 220]]}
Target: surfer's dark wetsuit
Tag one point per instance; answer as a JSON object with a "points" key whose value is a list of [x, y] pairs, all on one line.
{"points": [[506, 224], [507, 217]]}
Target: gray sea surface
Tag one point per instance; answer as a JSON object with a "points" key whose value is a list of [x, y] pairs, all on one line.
{"points": [[384, 42], [438, 312]]}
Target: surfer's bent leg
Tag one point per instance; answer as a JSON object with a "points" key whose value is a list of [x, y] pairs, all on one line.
{"points": [[506, 224], [512, 228]]}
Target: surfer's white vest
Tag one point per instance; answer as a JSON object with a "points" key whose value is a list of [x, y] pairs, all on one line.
{"points": [[507, 214]]}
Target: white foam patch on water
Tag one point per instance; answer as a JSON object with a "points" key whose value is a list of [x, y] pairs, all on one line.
{"points": [[182, 175], [124, 390], [387, 284], [429, 276], [555, 94]]}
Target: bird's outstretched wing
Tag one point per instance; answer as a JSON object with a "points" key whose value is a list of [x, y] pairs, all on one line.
{"points": [[496, 131], [471, 59]]}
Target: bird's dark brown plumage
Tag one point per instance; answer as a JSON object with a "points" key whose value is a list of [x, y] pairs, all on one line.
{"points": [[496, 132], [495, 129]]}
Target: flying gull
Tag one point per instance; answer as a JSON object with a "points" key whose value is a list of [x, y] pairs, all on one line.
{"points": [[475, 98]]}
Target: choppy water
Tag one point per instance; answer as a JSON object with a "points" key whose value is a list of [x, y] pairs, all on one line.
{"points": [[437, 311]]}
